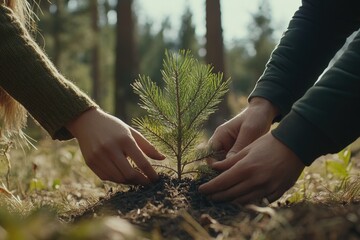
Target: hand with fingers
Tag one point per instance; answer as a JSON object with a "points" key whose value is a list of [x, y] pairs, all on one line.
{"points": [[253, 122], [106, 142], [264, 169]]}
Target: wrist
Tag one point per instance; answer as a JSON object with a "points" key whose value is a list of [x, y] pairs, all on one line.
{"points": [[76, 124], [265, 106]]}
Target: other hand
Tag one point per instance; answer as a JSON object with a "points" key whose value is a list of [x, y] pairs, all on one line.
{"points": [[264, 169], [106, 142], [253, 122]]}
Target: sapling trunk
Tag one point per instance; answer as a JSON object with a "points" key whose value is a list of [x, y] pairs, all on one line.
{"points": [[176, 113], [179, 128]]}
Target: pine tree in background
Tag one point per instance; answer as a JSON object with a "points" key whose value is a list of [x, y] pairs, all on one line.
{"points": [[58, 25], [246, 58], [151, 49], [95, 52], [67, 38], [237, 59], [261, 40], [187, 36], [177, 112]]}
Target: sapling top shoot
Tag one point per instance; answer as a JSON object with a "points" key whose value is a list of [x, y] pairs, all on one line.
{"points": [[177, 111]]}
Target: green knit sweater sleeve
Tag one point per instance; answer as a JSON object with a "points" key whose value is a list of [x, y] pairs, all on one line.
{"points": [[29, 77], [315, 33], [326, 119], [321, 118]]}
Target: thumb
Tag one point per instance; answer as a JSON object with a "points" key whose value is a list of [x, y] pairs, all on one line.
{"points": [[146, 146]]}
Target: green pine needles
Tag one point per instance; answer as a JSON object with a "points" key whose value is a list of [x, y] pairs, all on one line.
{"points": [[177, 112]]}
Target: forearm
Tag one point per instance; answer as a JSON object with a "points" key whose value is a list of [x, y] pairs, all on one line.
{"points": [[29, 77], [316, 32], [326, 119]]}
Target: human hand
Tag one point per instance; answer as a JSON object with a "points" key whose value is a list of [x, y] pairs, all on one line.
{"points": [[264, 169], [106, 142], [253, 122]]}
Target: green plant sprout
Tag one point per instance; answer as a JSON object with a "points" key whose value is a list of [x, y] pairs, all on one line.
{"points": [[177, 112], [342, 167]]}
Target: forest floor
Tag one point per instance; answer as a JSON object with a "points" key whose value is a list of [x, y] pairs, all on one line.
{"points": [[174, 209], [51, 194]]}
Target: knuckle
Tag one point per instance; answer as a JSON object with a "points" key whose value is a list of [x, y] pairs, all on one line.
{"points": [[123, 138]]}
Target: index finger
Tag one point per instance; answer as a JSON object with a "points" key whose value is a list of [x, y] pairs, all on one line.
{"points": [[135, 153], [222, 139], [246, 136]]}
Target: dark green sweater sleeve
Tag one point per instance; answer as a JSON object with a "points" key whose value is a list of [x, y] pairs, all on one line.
{"points": [[327, 118], [322, 118], [29, 77], [316, 32]]}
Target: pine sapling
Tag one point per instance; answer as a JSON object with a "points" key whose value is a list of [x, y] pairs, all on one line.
{"points": [[177, 112]]}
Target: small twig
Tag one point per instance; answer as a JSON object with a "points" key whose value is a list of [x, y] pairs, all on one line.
{"points": [[163, 166], [189, 172], [161, 139], [198, 159], [216, 154]]}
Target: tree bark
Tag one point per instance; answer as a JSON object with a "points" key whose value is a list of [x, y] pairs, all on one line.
{"points": [[57, 27], [125, 68], [215, 56], [95, 52]]}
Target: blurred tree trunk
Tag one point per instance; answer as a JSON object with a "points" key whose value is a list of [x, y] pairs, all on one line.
{"points": [[107, 8], [125, 64], [95, 52], [215, 56]]}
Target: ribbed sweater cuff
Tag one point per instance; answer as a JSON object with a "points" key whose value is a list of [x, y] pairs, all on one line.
{"points": [[28, 76], [303, 138], [274, 93]]}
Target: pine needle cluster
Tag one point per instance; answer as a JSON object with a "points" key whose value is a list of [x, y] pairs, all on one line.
{"points": [[177, 112]]}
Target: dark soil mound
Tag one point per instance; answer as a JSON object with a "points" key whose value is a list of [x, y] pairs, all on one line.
{"points": [[176, 210], [165, 207]]}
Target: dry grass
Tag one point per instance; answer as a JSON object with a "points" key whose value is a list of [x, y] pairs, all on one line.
{"points": [[49, 185]]}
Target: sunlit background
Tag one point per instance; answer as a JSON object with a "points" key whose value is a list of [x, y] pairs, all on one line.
{"points": [[236, 15], [87, 40], [95, 45]]}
